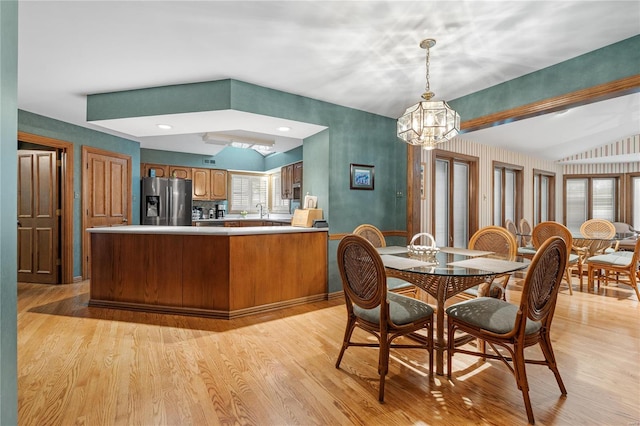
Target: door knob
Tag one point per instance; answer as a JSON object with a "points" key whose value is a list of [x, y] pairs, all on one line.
{"points": [[124, 219]]}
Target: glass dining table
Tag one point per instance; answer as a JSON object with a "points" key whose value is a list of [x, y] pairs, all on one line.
{"points": [[450, 272]]}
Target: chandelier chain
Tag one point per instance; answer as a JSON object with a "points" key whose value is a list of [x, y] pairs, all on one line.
{"points": [[428, 87]]}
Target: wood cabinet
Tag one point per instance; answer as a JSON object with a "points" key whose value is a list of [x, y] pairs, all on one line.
{"points": [[218, 184], [297, 173], [161, 170], [201, 181], [180, 172], [207, 184], [291, 181]]}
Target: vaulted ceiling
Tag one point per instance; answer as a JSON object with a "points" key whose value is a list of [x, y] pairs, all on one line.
{"points": [[363, 55]]}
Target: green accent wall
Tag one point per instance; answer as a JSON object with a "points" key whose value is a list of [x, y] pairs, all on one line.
{"points": [[79, 136], [8, 209], [604, 65]]}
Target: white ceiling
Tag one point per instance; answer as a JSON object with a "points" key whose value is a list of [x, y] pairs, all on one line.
{"points": [[360, 54]]}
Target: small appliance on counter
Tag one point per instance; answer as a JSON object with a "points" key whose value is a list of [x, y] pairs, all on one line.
{"points": [[220, 211]]}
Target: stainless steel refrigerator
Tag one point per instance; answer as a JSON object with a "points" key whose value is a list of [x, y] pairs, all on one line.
{"points": [[166, 201]]}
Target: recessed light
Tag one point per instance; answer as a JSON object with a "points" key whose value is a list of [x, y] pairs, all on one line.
{"points": [[284, 129], [164, 126]]}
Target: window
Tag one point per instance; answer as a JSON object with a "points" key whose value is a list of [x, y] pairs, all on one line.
{"points": [[590, 198], [507, 190], [544, 193], [634, 201], [455, 205], [247, 190], [278, 205]]}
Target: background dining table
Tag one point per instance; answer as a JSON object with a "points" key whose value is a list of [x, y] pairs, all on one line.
{"points": [[451, 271]]}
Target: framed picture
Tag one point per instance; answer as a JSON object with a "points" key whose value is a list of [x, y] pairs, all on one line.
{"points": [[362, 176]]}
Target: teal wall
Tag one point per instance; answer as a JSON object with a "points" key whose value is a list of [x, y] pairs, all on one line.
{"points": [[229, 158], [79, 136], [8, 209], [601, 66]]}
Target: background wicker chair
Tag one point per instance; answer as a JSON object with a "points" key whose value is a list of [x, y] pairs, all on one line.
{"points": [[511, 227], [545, 230], [372, 308], [376, 238], [500, 241], [525, 233], [512, 327], [622, 267]]}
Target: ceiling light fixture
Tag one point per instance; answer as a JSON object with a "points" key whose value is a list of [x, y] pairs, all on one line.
{"points": [[284, 129], [164, 126], [428, 122]]}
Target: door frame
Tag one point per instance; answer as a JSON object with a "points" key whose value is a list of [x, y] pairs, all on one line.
{"points": [[66, 195], [86, 150]]}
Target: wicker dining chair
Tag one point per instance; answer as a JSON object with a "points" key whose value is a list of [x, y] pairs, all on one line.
{"points": [[511, 227], [376, 238], [598, 228], [513, 327], [545, 230], [621, 267], [498, 240], [372, 308], [525, 233]]}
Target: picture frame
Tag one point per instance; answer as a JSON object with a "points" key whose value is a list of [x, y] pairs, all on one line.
{"points": [[362, 176]]}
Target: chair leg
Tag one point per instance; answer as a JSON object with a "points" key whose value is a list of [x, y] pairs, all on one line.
{"points": [[633, 279], [450, 345], [547, 350], [519, 368], [567, 274], [351, 325], [383, 363]]}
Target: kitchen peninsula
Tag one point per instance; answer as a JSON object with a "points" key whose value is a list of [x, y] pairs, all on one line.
{"points": [[218, 272]]}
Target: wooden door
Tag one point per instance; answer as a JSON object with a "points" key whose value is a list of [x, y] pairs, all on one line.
{"points": [[201, 184], [38, 217], [106, 197], [219, 184]]}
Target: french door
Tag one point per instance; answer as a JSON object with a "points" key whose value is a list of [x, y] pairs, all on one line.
{"points": [[455, 207]]}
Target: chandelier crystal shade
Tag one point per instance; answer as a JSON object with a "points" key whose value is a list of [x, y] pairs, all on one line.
{"points": [[428, 122]]}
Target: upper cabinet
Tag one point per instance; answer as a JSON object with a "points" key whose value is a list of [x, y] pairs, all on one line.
{"points": [[201, 181], [209, 184], [159, 170], [291, 181], [218, 184], [286, 182], [180, 172]]}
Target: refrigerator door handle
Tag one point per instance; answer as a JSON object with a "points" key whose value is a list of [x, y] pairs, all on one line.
{"points": [[167, 212]]}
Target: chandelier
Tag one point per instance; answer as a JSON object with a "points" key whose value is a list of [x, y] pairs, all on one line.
{"points": [[428, 122]]}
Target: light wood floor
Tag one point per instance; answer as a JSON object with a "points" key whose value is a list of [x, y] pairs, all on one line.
{"points": [[90, 366]]}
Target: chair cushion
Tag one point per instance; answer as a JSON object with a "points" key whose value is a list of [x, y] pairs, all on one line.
{"points": [[615, 259], [491, 314], [526, 250], [573, 258], [402, 310], [397, 283]]}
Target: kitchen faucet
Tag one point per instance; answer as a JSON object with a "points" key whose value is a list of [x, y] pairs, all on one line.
{"points": [[262, 212]]}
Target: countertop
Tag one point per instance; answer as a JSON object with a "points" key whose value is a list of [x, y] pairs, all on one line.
{"points": [[203, 230]]}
